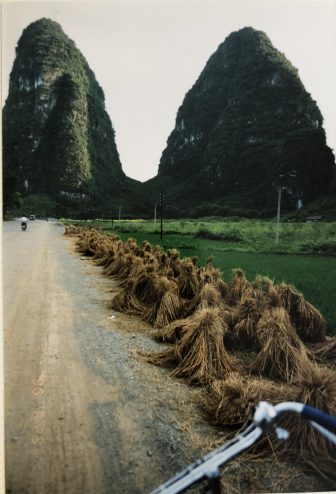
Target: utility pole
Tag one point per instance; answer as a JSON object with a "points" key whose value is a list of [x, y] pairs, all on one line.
{"points": [[277, 229], [161, 214], [154, 214], [119, 212]]}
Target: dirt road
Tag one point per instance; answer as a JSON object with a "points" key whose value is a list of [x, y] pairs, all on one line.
{"points": [[82, 413]]}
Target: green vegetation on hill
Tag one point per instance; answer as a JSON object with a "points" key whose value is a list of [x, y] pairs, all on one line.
{"points": [[58, 138], [247, 120]]}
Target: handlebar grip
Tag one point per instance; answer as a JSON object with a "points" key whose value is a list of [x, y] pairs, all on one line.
{"points": [[321, 418]]}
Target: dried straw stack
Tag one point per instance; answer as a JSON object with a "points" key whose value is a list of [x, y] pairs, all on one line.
{"points": [[315, 387], [282, 355], [308, 321], [196, 311], [72, 230], [325, 351], [230, 401], [166, 305], [199, 354], [237, 287]]}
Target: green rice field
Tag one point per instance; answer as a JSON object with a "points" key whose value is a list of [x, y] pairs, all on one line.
{"points": [[313, 273]]}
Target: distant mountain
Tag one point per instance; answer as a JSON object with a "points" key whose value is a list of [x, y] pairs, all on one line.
{"points": [[245, 126], [58, 139], [246, 123]]}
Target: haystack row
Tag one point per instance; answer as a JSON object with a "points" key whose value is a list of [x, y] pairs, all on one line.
{"points": [[242, 341]]}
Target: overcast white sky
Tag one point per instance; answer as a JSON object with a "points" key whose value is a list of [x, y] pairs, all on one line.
{"points": [[146, 55]]}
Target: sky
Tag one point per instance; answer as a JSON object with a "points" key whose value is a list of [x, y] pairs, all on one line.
{"points": [[146, 54]]}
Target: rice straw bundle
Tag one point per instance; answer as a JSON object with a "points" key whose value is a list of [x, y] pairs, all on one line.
{"points": [[208, 296], [229, 402], [102, 249], [121, 263], [272, 298], [174, 261], [246, 316], [310, 324], [237, 287], [174, 331], [136, 269], [325, 350], [107, 259], [227, 315], [73, 230], [289, 296], [126, 266], [223, 287], [173, 254], [209, 274], [168, 309], [263, 283], [87, 241], [131, 243], [152, 263], [282, 354], [264, 286], [317, 388], [200, 353], [143, 287], [308, 321], [125, 301], [188, 279], [164, 268], [166, 306], [146, 246], [110, 257]]}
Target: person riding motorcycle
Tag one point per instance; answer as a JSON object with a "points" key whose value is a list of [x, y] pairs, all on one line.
{"points": [[24, 223]]}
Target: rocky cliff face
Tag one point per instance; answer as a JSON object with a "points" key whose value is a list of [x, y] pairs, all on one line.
{"points": [[246, 126], [58, 138], [247, 121]]}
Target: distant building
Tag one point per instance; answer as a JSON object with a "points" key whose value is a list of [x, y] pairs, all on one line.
{"points": [[311, 219]]}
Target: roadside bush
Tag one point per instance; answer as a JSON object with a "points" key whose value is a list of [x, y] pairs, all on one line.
{"points": [[202, 233], [327, 247], [230, 235], [125, 228]]}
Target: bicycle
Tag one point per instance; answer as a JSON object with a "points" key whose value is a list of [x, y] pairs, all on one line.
{"points": [[264, 421]]}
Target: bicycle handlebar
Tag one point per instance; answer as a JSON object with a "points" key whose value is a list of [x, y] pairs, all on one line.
{"points": [[264, 420], [208, 466], [321, 418]]}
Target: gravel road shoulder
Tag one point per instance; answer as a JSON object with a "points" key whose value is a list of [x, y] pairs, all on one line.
{"points": [[84, 412]]}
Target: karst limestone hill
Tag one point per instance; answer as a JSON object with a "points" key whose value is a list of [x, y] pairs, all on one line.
{"points": [[58, 137], [245, 126], [246, 123]]}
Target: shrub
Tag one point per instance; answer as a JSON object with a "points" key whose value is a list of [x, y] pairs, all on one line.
{"points": [[327, 247], [230, 235]]}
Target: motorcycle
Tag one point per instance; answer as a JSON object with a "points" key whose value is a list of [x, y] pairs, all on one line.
{"points": [[24, 226]]}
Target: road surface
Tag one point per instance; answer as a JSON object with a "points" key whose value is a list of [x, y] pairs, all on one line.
{"points": [[82, 413]]}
